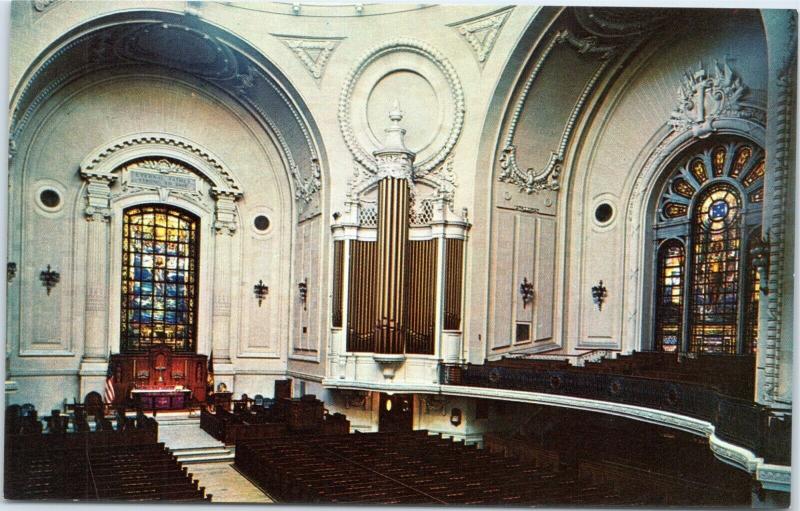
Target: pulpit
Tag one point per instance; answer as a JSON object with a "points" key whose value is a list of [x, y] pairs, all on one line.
{"points": [[160, 378]]}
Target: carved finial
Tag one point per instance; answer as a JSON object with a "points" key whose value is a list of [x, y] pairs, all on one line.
{"points": [[394, 158], [395, 134], [396, 115]]}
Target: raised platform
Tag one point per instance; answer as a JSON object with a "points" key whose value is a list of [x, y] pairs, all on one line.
{"points": [[181, 433]]}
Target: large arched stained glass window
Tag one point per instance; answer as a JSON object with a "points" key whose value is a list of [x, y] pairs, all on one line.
{"points": [[159, 278], [706, 294]]}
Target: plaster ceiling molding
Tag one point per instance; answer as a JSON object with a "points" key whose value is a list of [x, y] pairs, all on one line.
{"points": [[707, 95], [481, 32], [43, 5], [532, 180], [621, 22], [432, 102], [313, 52], [198, 53]]}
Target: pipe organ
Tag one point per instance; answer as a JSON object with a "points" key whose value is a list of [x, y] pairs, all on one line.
{"points": [[397, 287]]}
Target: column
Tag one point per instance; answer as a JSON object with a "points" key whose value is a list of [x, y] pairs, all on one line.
{"points": [[395, 170], [94, 363], [98, 213], [225, 228], [774, 364]]}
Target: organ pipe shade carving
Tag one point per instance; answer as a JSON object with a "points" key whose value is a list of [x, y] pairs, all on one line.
{"points": [[392, 241], [454, 250], [362, 303], [420, 296], [338, 283]]}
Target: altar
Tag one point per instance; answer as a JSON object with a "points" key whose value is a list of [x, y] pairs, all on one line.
{"points": [[161, 399]]}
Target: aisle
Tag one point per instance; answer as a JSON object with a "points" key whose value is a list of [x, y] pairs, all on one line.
{"points": [[226, 484]]}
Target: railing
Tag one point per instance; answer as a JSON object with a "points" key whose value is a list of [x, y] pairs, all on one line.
{"points": [[738, 421]]}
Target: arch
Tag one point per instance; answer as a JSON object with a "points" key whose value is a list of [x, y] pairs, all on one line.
{"points": [[111, 156], [249, 79], [709, 195]]}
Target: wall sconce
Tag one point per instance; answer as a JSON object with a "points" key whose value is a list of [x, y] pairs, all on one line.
{"points": [[599, 293], [526, 290], [760, 258], [11, 271], [302, 287], [261, 291], [49, 278], [455, 416]]}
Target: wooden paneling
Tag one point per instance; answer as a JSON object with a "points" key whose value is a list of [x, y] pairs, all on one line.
{"points": [[159, 368]]}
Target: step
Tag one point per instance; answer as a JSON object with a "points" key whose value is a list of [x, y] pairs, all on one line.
{"points": [[202, 458], [179, 422], [191, 451]]}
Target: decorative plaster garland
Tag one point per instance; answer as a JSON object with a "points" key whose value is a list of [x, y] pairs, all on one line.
{"points": [[531, 180]]}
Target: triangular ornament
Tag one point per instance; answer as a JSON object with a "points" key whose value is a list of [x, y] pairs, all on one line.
{"points": [[481, 32], [313, 52]]}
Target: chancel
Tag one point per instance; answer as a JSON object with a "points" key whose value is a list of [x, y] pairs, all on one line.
{"points": [[400, 254]]}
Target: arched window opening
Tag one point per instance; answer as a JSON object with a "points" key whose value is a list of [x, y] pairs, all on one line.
{"points": [[706, 292], [669, 296], [715, 279], [160, 246]]}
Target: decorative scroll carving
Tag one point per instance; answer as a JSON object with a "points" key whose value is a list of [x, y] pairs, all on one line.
{"points": [[98, 197], [531, 180], [313, 52], [481, 32], [705, 96], [43, 5], [362, 157]]}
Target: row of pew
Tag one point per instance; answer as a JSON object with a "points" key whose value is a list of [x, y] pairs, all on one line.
{"points": [[273, 418], [125, 464], [412, 468]]}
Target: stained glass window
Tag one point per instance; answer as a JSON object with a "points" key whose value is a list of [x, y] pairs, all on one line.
{"points": [[159, 278], [715, 281], [669, 296], [713, 195]]}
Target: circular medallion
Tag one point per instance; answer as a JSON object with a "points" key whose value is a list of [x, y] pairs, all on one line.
{"points": [[429, 93]]}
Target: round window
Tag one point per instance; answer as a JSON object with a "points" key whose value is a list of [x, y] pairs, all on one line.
{"points": [[50, 198], [261, 223], [603, 213]]}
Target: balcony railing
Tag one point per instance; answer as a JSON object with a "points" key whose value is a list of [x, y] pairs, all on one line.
{"points": [[738, 421]]}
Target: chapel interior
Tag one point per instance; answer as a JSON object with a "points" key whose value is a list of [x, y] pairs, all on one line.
{"points": [[417, 254]]}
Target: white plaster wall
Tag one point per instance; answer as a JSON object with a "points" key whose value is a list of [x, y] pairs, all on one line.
{"points": [[629, 123]]}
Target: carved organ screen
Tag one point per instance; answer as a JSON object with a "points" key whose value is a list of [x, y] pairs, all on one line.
{"points": [[159, 278], [706, 295]]}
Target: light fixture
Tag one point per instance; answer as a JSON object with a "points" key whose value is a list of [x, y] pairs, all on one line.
{"points": [[49, 278], [599, 293], [261, 291], [455, 416], [302, 287], [526, 290]]}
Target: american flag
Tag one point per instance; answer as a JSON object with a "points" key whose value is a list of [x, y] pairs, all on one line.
{"points": [[109, 393]]}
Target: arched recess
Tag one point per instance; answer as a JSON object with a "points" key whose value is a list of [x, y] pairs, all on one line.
{"points": [[119, 90]]}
